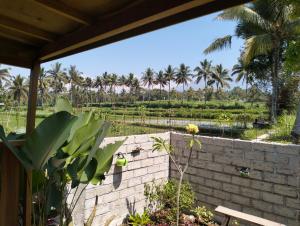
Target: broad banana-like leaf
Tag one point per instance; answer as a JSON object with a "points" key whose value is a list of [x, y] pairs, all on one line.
{"points": [[63, 104], [83, 119], [23, 157], [104, 157], [82, 135], [48, 137], [89, 172]]}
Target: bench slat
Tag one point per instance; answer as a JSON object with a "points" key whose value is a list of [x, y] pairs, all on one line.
{"points": [[246, 217]]}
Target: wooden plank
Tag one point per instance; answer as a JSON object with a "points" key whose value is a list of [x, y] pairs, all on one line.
{"points": [[30, 125], [145, 17], [246, 217], [10, 185], [61, 9], [26, 29]]}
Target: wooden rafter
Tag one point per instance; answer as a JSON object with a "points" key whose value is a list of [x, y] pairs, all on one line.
{"points": [[64, 10], [26, 29]]}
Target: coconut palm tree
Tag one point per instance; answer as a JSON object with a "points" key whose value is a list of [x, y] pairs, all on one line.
{"points": [[75, 80], [18, 88], [129, 82], [59, 78], [148, 80], [4, 75], [98, 83], [266, 26], [169, 73], [122, 82], [204, 71], [88, 84], [183, 77], [243, 73], [44, 83], [160, 80], [221, 77]]}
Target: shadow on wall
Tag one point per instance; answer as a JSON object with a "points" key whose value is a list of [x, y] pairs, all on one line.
{"points": [[117, 176]]}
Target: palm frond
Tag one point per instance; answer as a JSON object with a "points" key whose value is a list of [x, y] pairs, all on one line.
{"points": [[245, 14], [257, 45], [218, 44]]}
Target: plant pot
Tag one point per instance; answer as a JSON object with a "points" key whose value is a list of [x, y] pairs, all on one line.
{"points": [[121, 160]]}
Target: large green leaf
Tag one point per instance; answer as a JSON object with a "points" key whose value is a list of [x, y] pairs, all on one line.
{"points": [[82, 120], [104, 157], [62, 104], [82, 135], [22, 156], [48, 137]]}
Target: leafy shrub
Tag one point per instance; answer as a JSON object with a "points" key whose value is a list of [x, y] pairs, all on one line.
{"points": [[163, 197], [204, 215], [139, 220]]}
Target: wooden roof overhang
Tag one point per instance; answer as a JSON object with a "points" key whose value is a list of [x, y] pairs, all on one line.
{"points": [[36, 31], [46, 30]]}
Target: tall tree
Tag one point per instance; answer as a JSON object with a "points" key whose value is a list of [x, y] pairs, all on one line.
{"points": [[169, 73], [160, 80], [98, 83], [221, 76], [75, 80], [183, 77], [59, 78], [243, 73], [18, 88], [44, 83], [4, 75], [266, 26], [129, 82], [203, 72], [148, 80]]}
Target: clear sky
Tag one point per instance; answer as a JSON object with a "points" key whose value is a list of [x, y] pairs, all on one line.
{"points": [[181, 43]]}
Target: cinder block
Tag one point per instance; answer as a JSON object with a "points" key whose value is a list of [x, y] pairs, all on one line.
{"points": [[214, 201], [204, 190], [240, 199], [269, 197], [293, 203], [222, 195], [285, 190], [141, 171], [213, 184], [231, 188], [255, 155], [248, 192], [276, 158], [215, 166], [134, 181], [261, 205], [127, 192], [110, 197], [241, 181], [285, 211], [222, 177], [275, 178], [264, 166], [260, 185]]}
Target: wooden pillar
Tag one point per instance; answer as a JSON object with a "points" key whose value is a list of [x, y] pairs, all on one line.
{"points": [[10, 185], [30, 125]]}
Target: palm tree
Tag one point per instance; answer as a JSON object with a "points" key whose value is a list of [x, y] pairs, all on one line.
{"points": [[148, 80], [122, 82], [129, 82], [4, 75], [59, 78], [18, 88], [243, 73], [99, 85], [266, 26], [75, 80], [161, 81], [183, 77], [43, 85], [221, 76], [203, 72], [169, 75], [88, 84]]}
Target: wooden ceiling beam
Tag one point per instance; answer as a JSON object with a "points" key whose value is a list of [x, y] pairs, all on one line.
{"points": [[144, 13], [26, 29], [61, 9]]}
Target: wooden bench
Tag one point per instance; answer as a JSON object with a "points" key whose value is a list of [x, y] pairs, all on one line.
{"points": [[243, 216]]}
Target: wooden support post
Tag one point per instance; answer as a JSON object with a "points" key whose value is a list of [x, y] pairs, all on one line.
{"points": [[31, 111], [10, 185]]}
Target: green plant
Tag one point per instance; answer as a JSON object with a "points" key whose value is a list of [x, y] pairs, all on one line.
{"points": [[162, 197], [162, 145], [63, 149], [139, 219], [203, 214]]}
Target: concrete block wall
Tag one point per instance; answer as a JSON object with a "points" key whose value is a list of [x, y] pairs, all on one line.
{"points": [[271, 191], [123, 188]]}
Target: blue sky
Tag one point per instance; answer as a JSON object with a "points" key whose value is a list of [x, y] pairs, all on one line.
{"points": [[181, 43]]}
